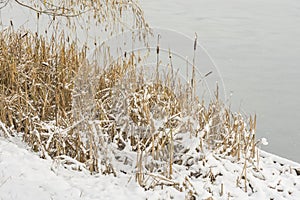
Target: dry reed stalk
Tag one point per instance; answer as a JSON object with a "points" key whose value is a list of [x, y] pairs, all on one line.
{"points": [[36, 85], [222, 189]]}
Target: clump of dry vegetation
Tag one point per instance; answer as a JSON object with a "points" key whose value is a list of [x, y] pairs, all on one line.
{"points": [[115, 119], [37, 79], [161, 125]]}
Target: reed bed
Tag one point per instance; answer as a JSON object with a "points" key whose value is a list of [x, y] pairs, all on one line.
{"points": [[117, 121]]}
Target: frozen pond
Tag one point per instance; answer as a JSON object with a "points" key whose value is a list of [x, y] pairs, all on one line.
{"points": [[256, 45]]}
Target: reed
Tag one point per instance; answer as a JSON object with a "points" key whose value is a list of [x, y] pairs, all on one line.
{"points": [[118, 119]]}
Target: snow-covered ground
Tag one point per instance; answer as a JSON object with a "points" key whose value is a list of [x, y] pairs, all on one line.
{"points": [[23, 175]]}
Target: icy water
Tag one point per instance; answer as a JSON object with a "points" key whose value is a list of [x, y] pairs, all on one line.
{"points": [[256, 45]]}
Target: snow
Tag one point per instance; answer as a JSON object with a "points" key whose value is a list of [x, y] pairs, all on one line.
{"points": [[23, 175], [264, 141]]}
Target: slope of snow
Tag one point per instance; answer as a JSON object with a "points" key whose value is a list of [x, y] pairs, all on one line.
{"points": [[23, 175]]}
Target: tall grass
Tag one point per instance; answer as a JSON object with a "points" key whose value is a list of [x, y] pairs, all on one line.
{"points": [[119, 121], [36, 83]]}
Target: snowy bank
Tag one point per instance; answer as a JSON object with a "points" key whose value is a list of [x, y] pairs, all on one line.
{"points": [[23, 175]]}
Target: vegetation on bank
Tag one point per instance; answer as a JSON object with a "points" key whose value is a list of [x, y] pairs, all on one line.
{"points": [[115, 119]]}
